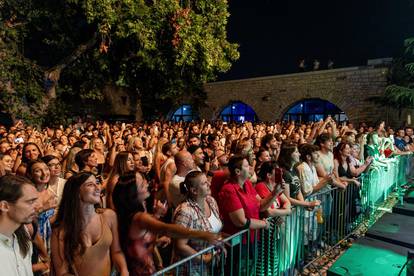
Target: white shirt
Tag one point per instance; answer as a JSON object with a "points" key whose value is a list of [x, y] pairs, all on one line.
{"points": [[58, 190], [12, 262], [308, 177], [327, 161], [215, 223]]}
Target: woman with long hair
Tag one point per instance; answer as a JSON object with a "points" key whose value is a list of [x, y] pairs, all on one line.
{"points": [[85, 238], [69, 164], [38, 172], [40, 231], [159, 158], [199, 212], [124, 163], [288, 158], [31, 151], [138, 229], [342, 167], [281, 209], [7, 161], [98, 146], [348, 204]]}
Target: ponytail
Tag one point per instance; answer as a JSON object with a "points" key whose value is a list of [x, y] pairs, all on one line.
{"points": [[189, 182]]}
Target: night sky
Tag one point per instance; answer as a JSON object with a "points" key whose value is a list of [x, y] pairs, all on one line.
{"points": [[274, 34]]}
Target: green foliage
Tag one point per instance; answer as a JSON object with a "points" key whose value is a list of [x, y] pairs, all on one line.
{"points": [[164, 48], [161, 50], [409, 51], [21, 87], [400, 93]]}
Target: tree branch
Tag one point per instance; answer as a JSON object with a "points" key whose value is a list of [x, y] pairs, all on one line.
{"points": [[53, 74]]}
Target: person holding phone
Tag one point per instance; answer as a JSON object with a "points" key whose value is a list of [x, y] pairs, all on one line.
{"points": [[238, 200], [272, 179], [19, 140]]}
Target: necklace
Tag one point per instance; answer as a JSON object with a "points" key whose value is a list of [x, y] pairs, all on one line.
{"points": [[201, 215]]}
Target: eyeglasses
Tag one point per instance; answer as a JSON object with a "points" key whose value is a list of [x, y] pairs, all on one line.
{"points": [[56, 165]]}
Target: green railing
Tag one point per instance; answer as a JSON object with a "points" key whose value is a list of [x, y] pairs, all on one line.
{"points": [[280, 247], [287, 247]]}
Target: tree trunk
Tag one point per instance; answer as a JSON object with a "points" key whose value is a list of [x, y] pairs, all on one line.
{"points": [[53, 74]]}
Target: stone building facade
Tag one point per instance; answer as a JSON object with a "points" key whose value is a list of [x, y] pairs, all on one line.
{"points": [[271, 97]]}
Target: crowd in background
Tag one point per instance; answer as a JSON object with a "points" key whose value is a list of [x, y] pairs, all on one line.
{"points": [[93, 197]]}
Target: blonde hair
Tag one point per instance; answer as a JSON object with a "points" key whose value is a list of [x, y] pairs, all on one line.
{"points": [[70, 159]]}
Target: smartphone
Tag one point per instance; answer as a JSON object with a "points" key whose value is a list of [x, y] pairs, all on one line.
{"points": [[278, 175], [144, 161], [18, 140]]}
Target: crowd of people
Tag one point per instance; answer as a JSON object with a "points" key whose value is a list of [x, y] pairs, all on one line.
{"points": [[94, 198]]}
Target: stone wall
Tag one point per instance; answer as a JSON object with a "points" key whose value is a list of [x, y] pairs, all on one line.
{"points": [[271, 97]]}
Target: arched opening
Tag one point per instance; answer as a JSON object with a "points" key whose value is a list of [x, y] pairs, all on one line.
{"points": [[184, 113], [238, 112], [310, 110]]}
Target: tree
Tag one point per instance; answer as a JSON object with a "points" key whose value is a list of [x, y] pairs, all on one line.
{"points": [[400, 93], [70, 49]]}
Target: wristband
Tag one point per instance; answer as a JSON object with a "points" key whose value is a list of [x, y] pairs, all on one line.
{"points": [[247, 224]]}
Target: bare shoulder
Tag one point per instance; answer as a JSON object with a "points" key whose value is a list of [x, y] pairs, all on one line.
{"points": [[106, 212], [109, 214], [139, 216], [142, 219], [171, 166]]}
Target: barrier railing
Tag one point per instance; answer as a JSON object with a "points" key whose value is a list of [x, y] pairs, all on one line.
{"points": [[287, 246], [239, 258], [280, 246], [342, 211]]}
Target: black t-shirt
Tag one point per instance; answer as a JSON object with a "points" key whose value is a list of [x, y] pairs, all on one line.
{"points": [[292, 179]]}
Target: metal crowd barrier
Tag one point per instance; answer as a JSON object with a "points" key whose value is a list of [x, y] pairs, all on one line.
{"points": [[285, 248], [239, 259]]}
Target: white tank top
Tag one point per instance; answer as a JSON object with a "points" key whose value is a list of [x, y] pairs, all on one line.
{"points": [[215, 223]]}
